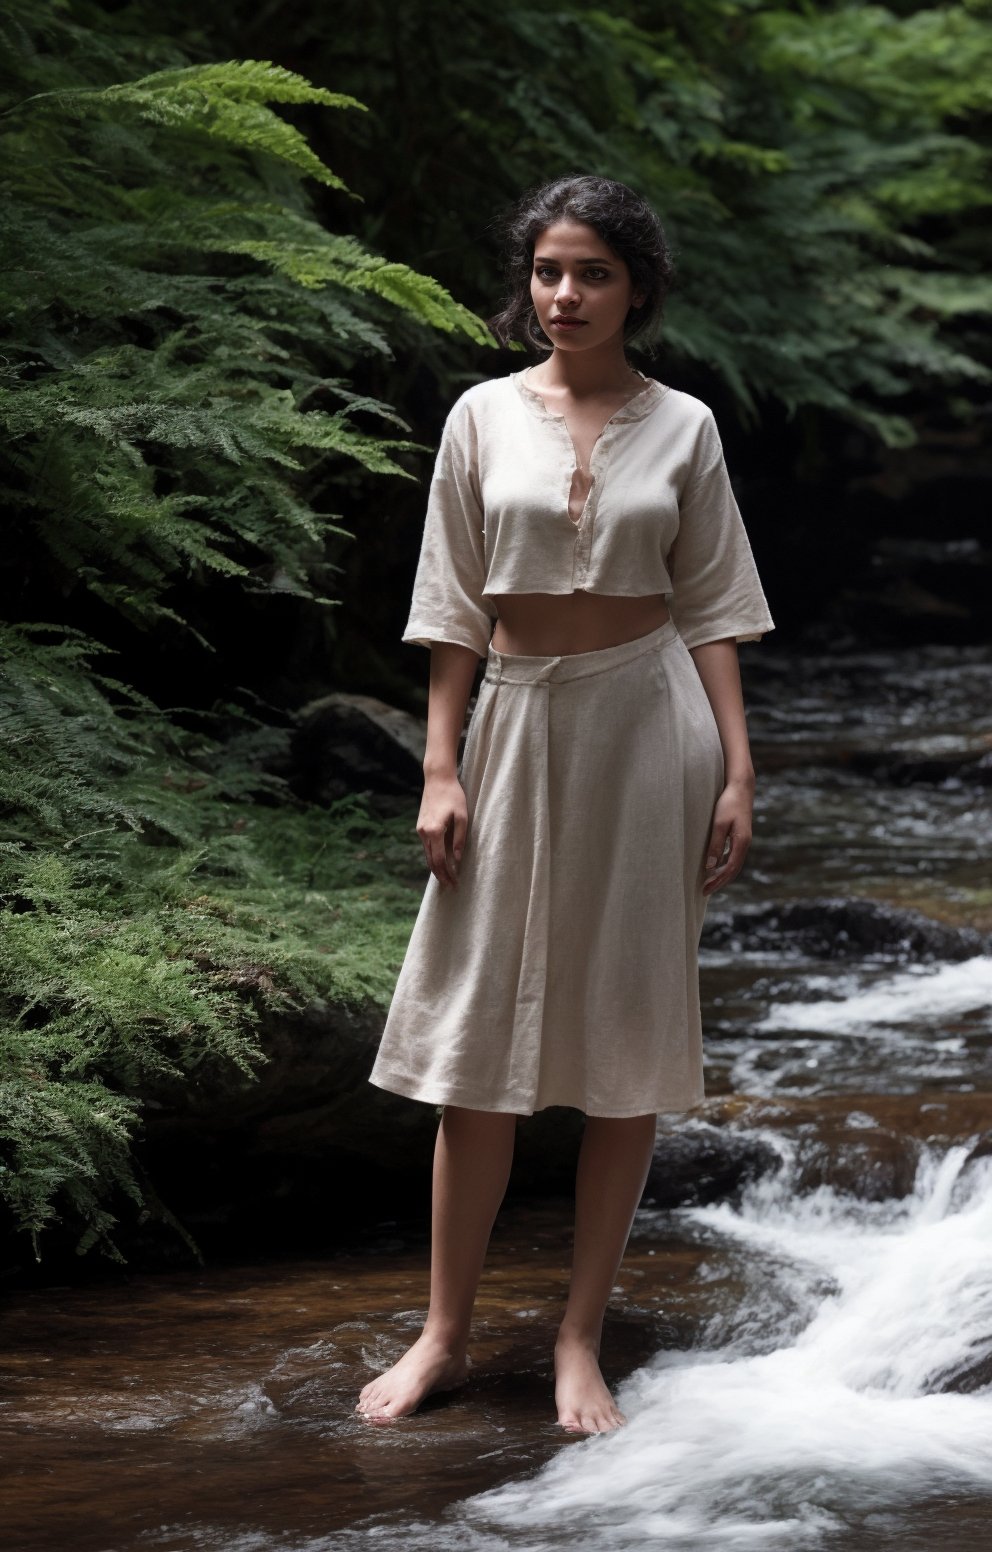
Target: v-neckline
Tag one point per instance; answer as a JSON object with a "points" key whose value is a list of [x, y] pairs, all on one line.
{"points": [[649, 386]]}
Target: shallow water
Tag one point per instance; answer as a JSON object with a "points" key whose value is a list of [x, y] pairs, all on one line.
{"points": [[787, 1361], [805, 1362], [816, 1028], [806, 1416], [873, 783]]}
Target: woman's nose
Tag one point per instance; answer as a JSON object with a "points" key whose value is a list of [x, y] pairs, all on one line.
{"points": [[567, 291]]}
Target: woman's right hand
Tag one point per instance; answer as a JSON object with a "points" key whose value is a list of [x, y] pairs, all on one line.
{"points": [[442, 826]]}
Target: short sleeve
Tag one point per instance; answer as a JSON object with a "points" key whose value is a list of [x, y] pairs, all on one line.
{"points": [[717, 592], [447, 602]]}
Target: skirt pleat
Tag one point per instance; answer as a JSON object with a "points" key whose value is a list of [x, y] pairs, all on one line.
{"points": [[563, 970]]}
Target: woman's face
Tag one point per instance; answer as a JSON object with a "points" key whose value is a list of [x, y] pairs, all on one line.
{"points": [[581, 289]]}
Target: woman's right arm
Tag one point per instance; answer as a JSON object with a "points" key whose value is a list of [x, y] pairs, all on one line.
{"points": [[443, 821]]}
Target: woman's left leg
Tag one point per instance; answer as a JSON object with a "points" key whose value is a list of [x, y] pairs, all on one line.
{"points": [[613, 1165]]}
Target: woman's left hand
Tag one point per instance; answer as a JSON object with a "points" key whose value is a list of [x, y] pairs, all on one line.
{"points": [[732, 821]]}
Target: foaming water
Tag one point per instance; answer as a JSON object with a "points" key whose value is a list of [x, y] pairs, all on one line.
{"points": [[913, 995], [728, 1448], [836, 1432], [833, 1028]]}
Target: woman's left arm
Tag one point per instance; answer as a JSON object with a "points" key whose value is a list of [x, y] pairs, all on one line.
{"points": [[719, 669]]}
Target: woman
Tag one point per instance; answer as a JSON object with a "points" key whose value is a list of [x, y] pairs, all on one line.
{"points": [[606, 786]]}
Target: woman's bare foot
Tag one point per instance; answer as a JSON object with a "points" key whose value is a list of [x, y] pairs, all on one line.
{"points": [[427, 1366], [584, 1403]]}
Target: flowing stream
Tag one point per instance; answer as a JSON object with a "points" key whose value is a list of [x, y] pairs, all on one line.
{"points": [[801, 1332], [810, 1414]]}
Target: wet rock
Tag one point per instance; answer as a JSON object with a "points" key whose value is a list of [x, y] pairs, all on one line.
{"points": [[874, 1167], [310, 1141], [982, 1148], [356, 743], [964, 1379], [979, 771], [903, 768], [696, 1163], [930, 1116], [866, 1145], [963, 761], [842, 928], [315, 1093]]}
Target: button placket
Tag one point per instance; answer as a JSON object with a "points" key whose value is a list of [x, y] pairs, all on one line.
{"points": [[569, 464], [584, 528], [582, 532]]}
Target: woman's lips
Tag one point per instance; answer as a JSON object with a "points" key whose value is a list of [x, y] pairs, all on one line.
{"points": [[568, 323]]}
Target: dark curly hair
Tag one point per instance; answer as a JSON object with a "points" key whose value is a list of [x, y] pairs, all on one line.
{"points": [[624, 221]]}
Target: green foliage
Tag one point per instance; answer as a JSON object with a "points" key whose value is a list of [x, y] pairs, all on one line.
{"points": [[181, 331], [152, 914], [172, 308], [805, 161]]}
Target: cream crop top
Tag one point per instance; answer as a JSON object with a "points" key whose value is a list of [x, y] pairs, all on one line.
{"points": [[660, 516]]}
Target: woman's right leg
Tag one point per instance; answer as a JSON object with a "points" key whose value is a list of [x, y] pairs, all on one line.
{"points": [[472, 1158]]}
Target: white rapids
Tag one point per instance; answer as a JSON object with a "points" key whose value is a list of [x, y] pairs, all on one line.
{"points": [[841, 1425], [913, 995], [814, 1413]]}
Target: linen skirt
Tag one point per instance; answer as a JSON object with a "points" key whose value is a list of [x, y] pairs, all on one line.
{"points": [[563, 968]]}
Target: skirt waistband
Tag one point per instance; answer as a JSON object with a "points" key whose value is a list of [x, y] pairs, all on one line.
{"points": [[520, 668]]}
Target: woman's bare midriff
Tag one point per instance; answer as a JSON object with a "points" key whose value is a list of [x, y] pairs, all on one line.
{"points": [[555, 624]]}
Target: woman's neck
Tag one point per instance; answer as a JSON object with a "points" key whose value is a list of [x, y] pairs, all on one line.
{"points": [[584, 373]]}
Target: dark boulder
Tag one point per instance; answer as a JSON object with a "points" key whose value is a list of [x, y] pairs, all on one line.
{"points": [[843, 928], [356, 743], [696, 1163], [964, 1378], [309, 1150]]}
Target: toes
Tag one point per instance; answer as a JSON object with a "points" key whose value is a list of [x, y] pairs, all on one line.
{"points": [[380, 1404], [372, 1412], [591, 1422]]}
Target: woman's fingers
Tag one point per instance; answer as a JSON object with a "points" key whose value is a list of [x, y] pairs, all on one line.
{"points": [[728, 867], [442, 827], [717, 842], [438, 860], [730, 831], [460, 832], [447, 854]]}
